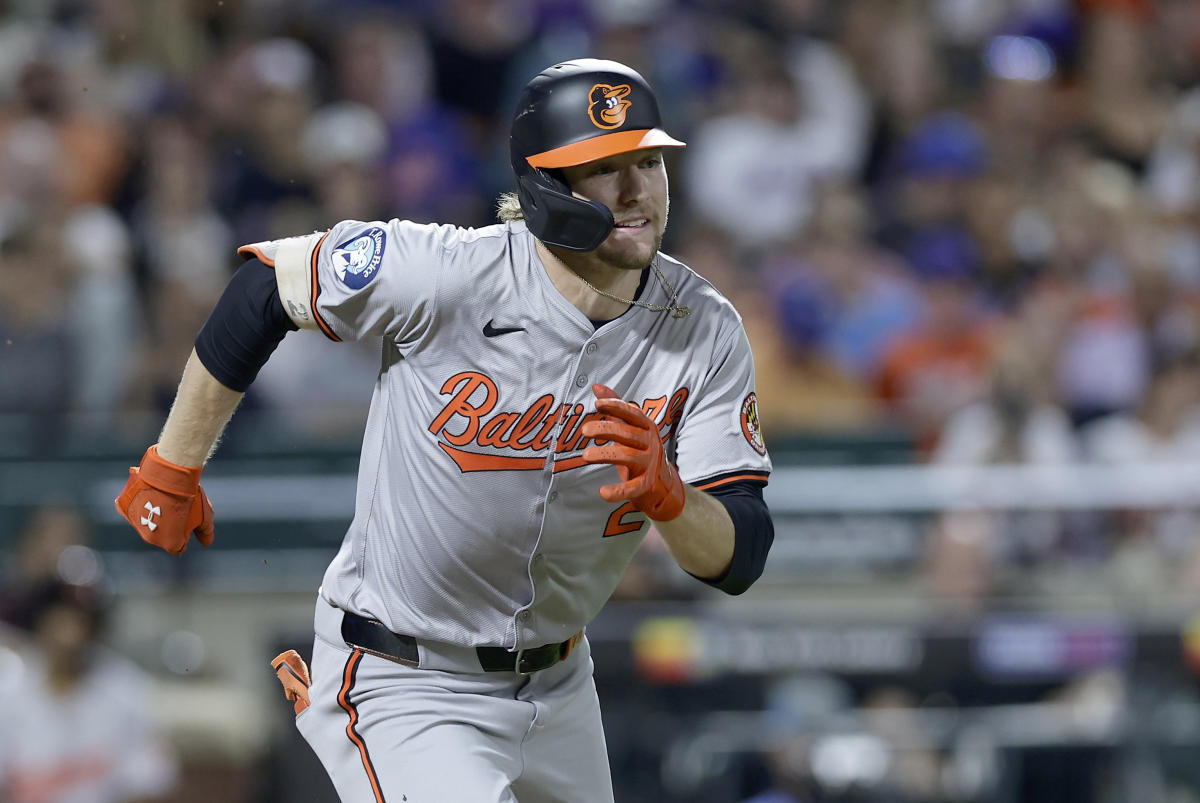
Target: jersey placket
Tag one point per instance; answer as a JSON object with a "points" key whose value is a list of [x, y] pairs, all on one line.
{"points": [[574, 392]]}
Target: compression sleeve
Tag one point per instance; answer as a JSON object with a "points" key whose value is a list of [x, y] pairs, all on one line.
{"points": [[244, 328], [753, 533]]}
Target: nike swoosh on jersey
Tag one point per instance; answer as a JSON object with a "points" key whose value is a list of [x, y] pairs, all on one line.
{"points": [[491, 331]]}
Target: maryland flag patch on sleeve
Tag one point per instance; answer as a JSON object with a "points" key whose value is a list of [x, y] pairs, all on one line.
{"points": [[751, 427]]}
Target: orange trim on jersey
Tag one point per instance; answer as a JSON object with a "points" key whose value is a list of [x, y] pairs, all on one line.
{"points": [[568, 463], [727, 480], [476, 461], [343, 698], [589, 150], [249, 251], [316, 291]]}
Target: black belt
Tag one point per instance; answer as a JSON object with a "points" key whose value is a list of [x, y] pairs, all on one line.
{"points": [[372, 637]]}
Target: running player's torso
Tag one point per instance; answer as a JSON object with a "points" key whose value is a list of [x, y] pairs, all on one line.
{"points": [[476, 520]]}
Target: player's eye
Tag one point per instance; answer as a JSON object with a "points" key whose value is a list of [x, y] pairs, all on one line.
{"points": [[652, 162]]}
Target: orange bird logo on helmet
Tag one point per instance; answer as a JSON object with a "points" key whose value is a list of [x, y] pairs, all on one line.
{"points": [[609, 105]]}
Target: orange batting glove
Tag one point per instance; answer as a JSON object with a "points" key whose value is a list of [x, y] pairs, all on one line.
{"points": [[647, 478], [165, 503], [293, 674]]}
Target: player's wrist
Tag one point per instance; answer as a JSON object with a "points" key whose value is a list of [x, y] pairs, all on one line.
{"points": [[670, 499], [174, 456], [165, 475]]}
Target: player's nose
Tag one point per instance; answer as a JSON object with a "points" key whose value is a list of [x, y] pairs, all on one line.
{"points": [[633, 185]]}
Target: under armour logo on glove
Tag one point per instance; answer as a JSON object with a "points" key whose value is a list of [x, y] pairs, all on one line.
{"points": [[175, 504], [148, 519]]}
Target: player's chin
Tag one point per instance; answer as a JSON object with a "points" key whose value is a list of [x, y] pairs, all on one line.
{"points": [[626, 258], [629, 252]]}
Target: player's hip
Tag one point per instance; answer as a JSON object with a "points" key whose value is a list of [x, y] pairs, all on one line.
{"points": [[350, 631]]}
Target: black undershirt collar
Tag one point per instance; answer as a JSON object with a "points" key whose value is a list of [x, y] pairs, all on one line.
{"points": [[596, 324]]}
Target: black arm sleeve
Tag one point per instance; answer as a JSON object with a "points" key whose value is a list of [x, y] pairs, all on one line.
{"points": [[753, 533], [244, 328]]}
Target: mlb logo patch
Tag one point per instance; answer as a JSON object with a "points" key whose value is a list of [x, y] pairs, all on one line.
{"points": [[357, 260]]}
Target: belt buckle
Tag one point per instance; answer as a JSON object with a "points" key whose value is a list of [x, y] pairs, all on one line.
{"points": [[519, 664]]}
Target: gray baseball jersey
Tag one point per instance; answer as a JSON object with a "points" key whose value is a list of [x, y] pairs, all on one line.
{"points": [[476, 520]]}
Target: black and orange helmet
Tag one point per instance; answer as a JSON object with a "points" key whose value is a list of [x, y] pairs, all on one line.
{"points": [[576, 112]]}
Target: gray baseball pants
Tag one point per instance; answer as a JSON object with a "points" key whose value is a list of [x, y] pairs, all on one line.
{"points": [[389, 732]]}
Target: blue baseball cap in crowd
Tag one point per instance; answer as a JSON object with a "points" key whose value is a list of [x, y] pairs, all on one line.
{"points": [[805, 311], [943, 254], [944, 145]]}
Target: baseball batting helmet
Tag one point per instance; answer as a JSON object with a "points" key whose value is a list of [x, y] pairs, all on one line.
{"points": [[576, 112]]}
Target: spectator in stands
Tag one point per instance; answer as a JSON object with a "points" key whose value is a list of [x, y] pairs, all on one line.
{"points": [[33, 563], [1153, 550], [800, 385], [776, 142], [179, 233], [90, 146], [263, 189], [895, 50], [872, 294], [928, 177], [104, 317], [1126, 108], [1100, 223], [40, 369], [344, 145], [309, 382], [429, 169], [941, 365], [76, 721], [1018, 421], [1165, 426], [1172, 179]]}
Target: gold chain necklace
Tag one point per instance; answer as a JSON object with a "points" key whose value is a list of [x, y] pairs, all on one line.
{"points": [[676, 310]]}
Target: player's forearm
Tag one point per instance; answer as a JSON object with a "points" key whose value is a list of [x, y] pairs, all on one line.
{"points": [[237, 339], [701, 538], [202, 408]]}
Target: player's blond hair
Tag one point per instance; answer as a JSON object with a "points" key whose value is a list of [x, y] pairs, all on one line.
{"points": [[508, 208]]}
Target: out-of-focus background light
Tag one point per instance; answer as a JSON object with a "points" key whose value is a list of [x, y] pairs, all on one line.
{"points": [[1019, 58]]}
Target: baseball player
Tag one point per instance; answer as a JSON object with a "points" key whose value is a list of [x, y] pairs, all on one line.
{"points": [[548, 387]]}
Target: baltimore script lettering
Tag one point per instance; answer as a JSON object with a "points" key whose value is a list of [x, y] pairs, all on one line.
{"points": [[463, 423]]}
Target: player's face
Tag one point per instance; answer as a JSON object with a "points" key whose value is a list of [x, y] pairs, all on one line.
{"points": [[634, 186]]}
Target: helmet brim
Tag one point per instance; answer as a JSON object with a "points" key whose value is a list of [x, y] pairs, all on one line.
{"points": [[603, 146]]}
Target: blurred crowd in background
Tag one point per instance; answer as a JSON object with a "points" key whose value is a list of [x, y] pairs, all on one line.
{"points": [[970, 225], [974, 223]]}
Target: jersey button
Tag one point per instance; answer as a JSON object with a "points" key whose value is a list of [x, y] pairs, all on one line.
{"points": [[553, 496], [591, 348], [538, 558], [581, 380], [523, 616]]}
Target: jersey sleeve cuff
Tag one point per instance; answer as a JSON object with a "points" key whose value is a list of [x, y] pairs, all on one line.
{"points": [[729, 477], [297, 279]]}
